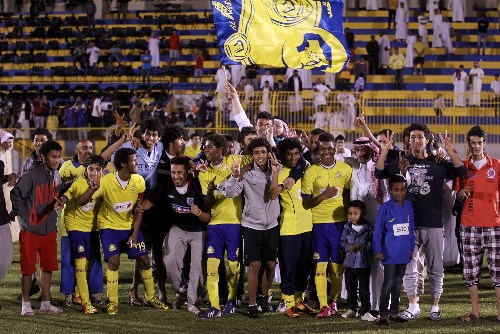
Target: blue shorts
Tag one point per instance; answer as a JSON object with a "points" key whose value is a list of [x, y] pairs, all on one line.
{"points": [[115, 242], [80, 244], [220, 237], [326, 242]]}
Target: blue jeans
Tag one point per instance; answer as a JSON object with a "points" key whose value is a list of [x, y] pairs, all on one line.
{"points": [[391, 289]]}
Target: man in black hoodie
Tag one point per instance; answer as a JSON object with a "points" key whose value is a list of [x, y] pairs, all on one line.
{"points": [[33, 202]]}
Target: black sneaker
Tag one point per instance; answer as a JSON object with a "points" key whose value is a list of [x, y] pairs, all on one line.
{"points": [[383, 322], [263, 302], [253, 312]]}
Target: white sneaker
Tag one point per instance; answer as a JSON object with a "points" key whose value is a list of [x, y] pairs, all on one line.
{"points": [[281, 308], [27, 312], [349, 314], [193, 309], [368, 317], [51, 309]]}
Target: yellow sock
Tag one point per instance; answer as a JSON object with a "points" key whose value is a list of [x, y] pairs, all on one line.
{"points": [[149, 284], [321, 283], [213, 281], [234, 268], [289, 300], [299, 297], [336, 271], [112, 284], [81, 280]]}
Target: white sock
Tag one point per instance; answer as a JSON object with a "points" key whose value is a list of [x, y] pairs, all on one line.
{"points": [[413, 307], [45, 305], [434, 308], [26, 305]]}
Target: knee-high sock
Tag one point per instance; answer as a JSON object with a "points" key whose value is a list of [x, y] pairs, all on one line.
{"points": [[299, 296], [81, 280], [213, 281], [112, 284], [336, 271], [321, 283], [149, 284], [234, 268]]}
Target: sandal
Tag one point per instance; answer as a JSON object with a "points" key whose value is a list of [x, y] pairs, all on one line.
{"points": [[469, 317], [134, 300]]}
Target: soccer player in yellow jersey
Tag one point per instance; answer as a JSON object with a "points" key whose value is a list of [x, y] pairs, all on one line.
{"points": [[295, 232], [70, 171], [325, 190], [119, 226], [79, 223], [223, 232]]}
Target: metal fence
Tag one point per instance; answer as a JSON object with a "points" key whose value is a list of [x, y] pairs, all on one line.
{"points": [[441, 111]]}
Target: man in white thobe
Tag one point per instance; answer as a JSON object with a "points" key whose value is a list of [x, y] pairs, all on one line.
{"points": [[237, 72], [384, 50], [267, 77], [446, 36], [401, 22], [320, 92], [432, 5], [154, 50], [458, 11], [422, 27], [347, 101], [477, 75], [437, 26], [459, 86]]}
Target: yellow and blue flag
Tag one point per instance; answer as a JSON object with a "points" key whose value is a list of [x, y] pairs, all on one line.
{"points": [[306, 34]]}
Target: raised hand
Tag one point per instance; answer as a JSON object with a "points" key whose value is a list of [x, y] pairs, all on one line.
{"points": [[202, 166], [275, 165], [94, 183], [360, 120], [403, 163], [236, 167], [230, 90], [447, 142], [291, 133]]}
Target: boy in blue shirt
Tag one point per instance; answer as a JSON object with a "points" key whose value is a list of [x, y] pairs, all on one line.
{"points": [[393, 243]]}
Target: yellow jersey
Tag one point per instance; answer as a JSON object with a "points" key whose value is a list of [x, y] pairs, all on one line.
{"points": [[225, 210], [76, 217], [192, 152], [117, 208], [294, 218], [314, 182], [69, 171]]}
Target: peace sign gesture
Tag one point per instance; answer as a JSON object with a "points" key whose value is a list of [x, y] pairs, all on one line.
{"points": [[202, 166], [447, 142], [275, 165], [236, 167], [360, 121], [129, 135]]}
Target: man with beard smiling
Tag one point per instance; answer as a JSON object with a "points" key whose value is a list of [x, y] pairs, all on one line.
{"points": [[188, 231], [325, 190]]}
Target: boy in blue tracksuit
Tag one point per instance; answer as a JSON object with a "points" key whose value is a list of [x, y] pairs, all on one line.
{"points": [[356, 241], [393, 242]]}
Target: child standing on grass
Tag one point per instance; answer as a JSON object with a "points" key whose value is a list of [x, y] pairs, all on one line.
{"points": [[356, 241], [393, 243]]}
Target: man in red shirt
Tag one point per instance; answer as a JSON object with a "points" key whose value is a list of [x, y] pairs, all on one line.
{"points": [[480, 224], [198, 67], [175, 47]]}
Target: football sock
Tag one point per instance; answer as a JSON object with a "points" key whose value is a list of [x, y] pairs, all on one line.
{"points": [[82, 287], [299, 296], [321, 283], [213, 281], [289, 300], [336, 271], [149, 284], [112, 284], [234, 268]]}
